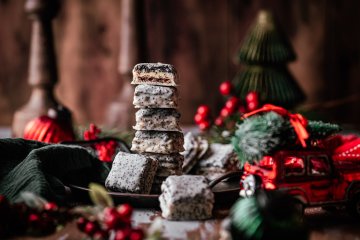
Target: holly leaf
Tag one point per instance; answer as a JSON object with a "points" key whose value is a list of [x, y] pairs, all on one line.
{"points": [[99, 196]]}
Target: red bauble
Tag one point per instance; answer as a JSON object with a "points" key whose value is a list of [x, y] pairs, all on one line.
{"points": [[225, 88], [225, 112], [252, 97], [219, 121], [204, 125], [198, 118], [232, 103], [125, 211], [50, 130], [203, 110]]}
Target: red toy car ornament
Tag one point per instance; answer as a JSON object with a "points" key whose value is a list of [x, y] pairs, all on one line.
{"points": [[317, 176]]}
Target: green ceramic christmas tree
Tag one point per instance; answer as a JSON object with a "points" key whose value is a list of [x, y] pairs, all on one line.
{"points": [[265, 52]]}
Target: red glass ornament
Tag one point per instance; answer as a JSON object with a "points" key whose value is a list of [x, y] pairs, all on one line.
{"points": [[203, 110], [225, 88], [49, 130], [52, 128]]}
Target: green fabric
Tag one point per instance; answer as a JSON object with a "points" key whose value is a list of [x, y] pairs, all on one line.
{"points": [[44, 169]]}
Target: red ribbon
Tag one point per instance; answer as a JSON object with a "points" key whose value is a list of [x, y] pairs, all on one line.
{"points": [[298, 121]]}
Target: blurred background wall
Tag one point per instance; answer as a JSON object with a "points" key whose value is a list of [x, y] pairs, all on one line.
{"points": [[200, 37]]}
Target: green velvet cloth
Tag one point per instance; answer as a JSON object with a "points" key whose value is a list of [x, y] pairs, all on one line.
{"points": [[45, 169]]}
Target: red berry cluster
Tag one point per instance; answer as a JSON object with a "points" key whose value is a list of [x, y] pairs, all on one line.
{"points": [[113, 221], [232, 106], [105, 150], [18, 218], [202, 117]]}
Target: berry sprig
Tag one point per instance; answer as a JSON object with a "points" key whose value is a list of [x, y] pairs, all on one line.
{"points": [[202, 117], [105, 150], [107, 221], [20, 218], [230, 113], [112, 221]]}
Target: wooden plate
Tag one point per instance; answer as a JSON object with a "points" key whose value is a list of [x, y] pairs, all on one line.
{"points": [[226, 193]]}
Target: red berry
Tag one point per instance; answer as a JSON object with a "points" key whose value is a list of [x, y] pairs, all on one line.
{"points": [[242, 109], [3, 199], [251, 106], [232, 103], [252, 97], [112, 221], [90, 228], [81, 223], [203, 110], [50, 206], [136, 234], [100, 235], [225, 88], [33, 217], [109, 211], [125, 211], [199, 118], [225, 112], [94, 129], [219, 121], [204, 125], [4, 204], [122, 234], [34, 221]]}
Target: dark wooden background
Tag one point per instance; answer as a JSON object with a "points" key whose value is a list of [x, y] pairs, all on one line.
{"points": [[200, 37]]}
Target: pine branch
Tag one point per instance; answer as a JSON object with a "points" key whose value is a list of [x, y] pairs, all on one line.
{"points": [[259, 135], [320, 130]]}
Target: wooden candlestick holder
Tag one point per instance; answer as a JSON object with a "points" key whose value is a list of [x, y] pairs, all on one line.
{"points": [[42, 64], [120, 113]]}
